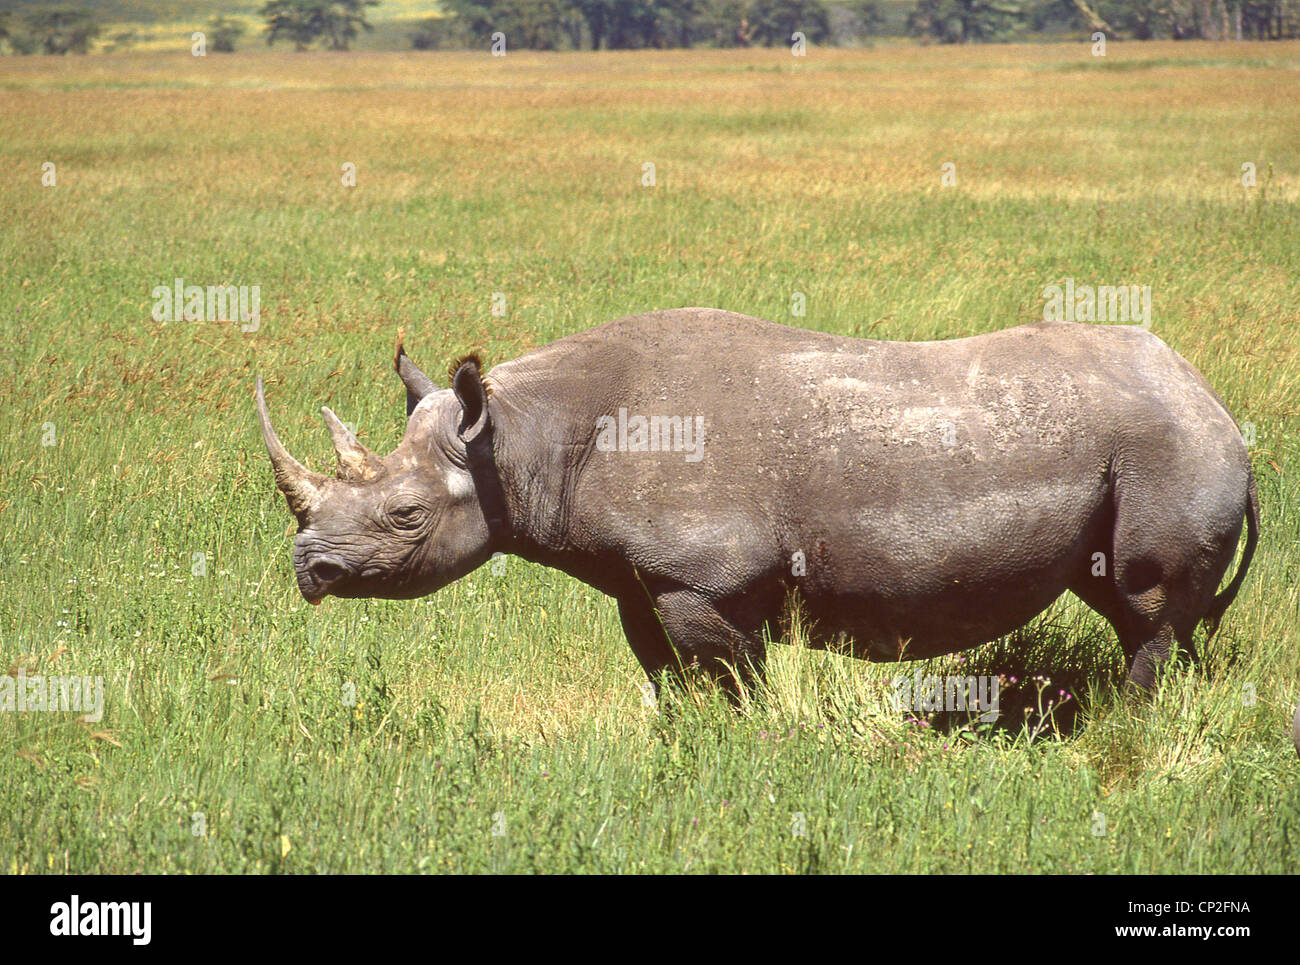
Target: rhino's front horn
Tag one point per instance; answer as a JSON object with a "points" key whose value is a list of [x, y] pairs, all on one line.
{"points": [[299, 484], [355, 460]]}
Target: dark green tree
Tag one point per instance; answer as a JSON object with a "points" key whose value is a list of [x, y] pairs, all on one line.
{"points": [[62, 31], [1180, 19], [624, 24], [435, 33], [306, 21], [526, 24], [13, 35], [727, 23], [224, 33], [292, 20], [776, 21], [963, 21], [343, 19], [855, 19], [677, 22]]}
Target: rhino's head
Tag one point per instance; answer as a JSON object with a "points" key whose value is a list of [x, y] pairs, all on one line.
{"points": [[401, 525]]}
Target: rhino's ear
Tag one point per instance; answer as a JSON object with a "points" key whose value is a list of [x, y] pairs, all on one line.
{"points": [[418, 385], [472, 393]]}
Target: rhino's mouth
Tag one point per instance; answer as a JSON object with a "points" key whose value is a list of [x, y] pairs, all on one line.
{"points": [[311, 594], [320, 577], [328, 578]]}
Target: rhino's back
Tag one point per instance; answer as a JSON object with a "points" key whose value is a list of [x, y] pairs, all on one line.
{"points": [[1042, 383], [797, 408]]}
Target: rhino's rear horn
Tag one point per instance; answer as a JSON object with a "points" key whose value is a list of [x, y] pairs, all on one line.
{"points": [[355, 460], [300, 485], [418, 385]]}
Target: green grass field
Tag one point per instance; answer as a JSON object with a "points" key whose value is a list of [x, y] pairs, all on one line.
{"points": [[499, 725]]}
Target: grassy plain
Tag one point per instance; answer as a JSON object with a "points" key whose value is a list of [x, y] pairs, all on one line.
{"points": [[398, 736]]}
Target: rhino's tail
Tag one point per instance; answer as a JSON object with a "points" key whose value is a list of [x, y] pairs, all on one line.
{"points": [[1229, 592]]}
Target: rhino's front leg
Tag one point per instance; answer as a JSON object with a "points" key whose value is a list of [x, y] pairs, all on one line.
{"points": [[647, 638], [685, 630]]}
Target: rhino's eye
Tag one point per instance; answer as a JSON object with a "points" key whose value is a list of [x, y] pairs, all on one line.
{"points": [[407, 514]]}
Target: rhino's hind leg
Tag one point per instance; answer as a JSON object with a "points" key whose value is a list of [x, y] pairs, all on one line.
{"points": [[1140, 622], [1148, 652], [1156, 586]]}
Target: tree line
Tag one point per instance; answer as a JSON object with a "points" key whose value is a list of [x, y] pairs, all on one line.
{"points": [[630, 24], [633, 24]]}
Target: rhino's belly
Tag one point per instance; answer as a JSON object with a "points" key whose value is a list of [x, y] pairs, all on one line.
{"points": [[927, 625], [915, 576]]}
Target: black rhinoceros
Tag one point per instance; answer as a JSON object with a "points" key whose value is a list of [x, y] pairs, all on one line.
{"points": [[705, 469]]}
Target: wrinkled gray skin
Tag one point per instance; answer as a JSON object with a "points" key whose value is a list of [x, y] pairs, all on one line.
{"points": [[941, 494]]}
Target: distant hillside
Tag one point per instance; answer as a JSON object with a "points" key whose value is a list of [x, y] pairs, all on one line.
{"points": [[199, 11], [145, 11], [160, 25]]}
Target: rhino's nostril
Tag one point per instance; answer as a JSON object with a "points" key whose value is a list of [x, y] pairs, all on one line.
{"points": [[326, 570]]}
